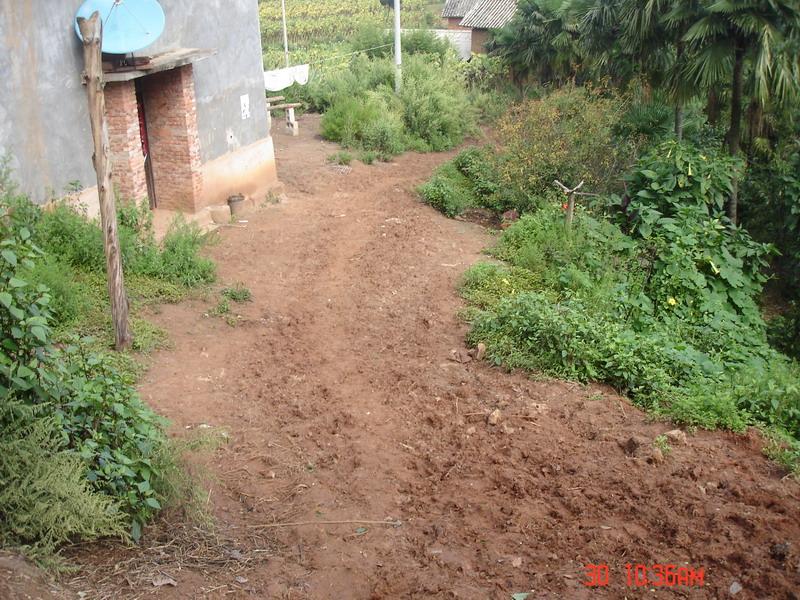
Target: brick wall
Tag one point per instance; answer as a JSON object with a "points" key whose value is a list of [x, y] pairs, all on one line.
{"points": [[479, 39], [171, 110], [127, 160], [455, 23]]}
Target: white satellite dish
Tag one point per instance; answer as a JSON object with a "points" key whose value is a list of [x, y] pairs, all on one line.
{"points": [[128, 25]]}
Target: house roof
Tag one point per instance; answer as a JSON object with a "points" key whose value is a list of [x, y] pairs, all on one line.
{"points": [[490, 14], [457, 8]]}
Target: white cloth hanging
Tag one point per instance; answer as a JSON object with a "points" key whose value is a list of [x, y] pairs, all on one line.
{"points": [[280, 79]]}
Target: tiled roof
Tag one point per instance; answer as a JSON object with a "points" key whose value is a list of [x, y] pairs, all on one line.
{"points": [[490, 14], [457, 8]]}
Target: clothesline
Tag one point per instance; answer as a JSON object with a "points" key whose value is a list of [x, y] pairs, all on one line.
{"points": [[348, 54], [279, 79]]}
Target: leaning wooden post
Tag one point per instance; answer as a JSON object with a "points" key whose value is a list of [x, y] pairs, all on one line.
{"points": [[92, 33], [570, 193]]}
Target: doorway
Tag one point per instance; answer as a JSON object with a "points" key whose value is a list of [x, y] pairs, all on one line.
{"points": [[148, 162]]}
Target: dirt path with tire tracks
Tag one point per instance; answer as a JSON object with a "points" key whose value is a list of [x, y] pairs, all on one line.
{"points": [[343, 402]]}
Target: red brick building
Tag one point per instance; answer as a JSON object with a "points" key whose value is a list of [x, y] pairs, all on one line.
{"points": [[187, 129], [479, 16]]}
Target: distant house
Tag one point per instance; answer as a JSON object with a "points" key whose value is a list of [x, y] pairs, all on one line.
{"points": [[187, 130], [455, 10], [484, 15]]}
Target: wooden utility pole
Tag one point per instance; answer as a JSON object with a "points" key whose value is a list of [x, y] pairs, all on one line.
{"points": [[92, 33], [398, 54], [285, 33]]}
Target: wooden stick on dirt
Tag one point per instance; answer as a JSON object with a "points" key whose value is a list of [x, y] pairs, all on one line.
{"points": [[350, 522], [92, 33], [570, 193]]}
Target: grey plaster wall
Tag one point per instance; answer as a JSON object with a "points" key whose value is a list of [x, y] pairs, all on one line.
{"points": [[232, 28], [44, 123]]}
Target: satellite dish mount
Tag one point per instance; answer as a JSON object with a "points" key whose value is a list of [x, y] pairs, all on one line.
{"points": [[128, 25]]}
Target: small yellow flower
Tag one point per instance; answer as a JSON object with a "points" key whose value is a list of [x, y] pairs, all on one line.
{"points": [[506, 281], [671, 301]]}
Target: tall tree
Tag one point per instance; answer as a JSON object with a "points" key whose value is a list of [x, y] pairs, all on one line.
{"points": [[540, 41], [734, 38]]}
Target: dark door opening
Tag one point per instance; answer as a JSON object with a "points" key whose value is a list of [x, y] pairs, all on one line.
{"points": [[148, 162]]}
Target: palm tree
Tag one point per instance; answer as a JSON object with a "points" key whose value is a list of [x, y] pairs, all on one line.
{"points": [[647, 37], [732, 36], [541, 40]]}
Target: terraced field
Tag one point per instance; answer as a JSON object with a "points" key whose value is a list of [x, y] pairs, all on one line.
{"points": [[322, 29]]}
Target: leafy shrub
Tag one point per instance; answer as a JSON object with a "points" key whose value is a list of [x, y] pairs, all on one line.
{"points": [[435, 105], [422, 41], [707, 268], [567, 135], [771, 208], [340, 158], [362, 75], [368, 157], [366, 122], [379, 43], [179, 261], [448, 191], [471, 179], [63, 231], [45, 498], [78, 411], [783, 331], [666, 313], [361, 110], [107, 425], [67, 296], [238, 293]]}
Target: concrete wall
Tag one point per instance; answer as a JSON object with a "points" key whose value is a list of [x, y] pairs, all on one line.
{"points": [[43, 116], [44, 122], [232, 27]]}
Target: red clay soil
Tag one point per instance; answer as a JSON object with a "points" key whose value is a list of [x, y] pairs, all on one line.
{"points": [[344, 400]]}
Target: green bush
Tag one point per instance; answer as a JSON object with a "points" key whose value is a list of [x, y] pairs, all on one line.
{"points": [[67, 295], [666, 312], [180, 261], [472, 179], [45, 498], [77, 409], [102, 419], [238, 293], [436, 109], [432, 112], [63, 232], [448, 191], [567, 135], [364, 122], [783, 331]]}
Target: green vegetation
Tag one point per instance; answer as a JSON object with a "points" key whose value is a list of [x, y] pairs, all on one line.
{"points": [[652, 289], [720, 74], [433, 111], [237, 293], [82, 456], [340, 158], [322, 30]]}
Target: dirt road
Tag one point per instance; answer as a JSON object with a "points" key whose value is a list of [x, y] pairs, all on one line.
{"points": [[342, 401]]}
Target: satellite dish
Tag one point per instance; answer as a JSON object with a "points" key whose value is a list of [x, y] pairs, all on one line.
{"points": [[128, 25]]}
